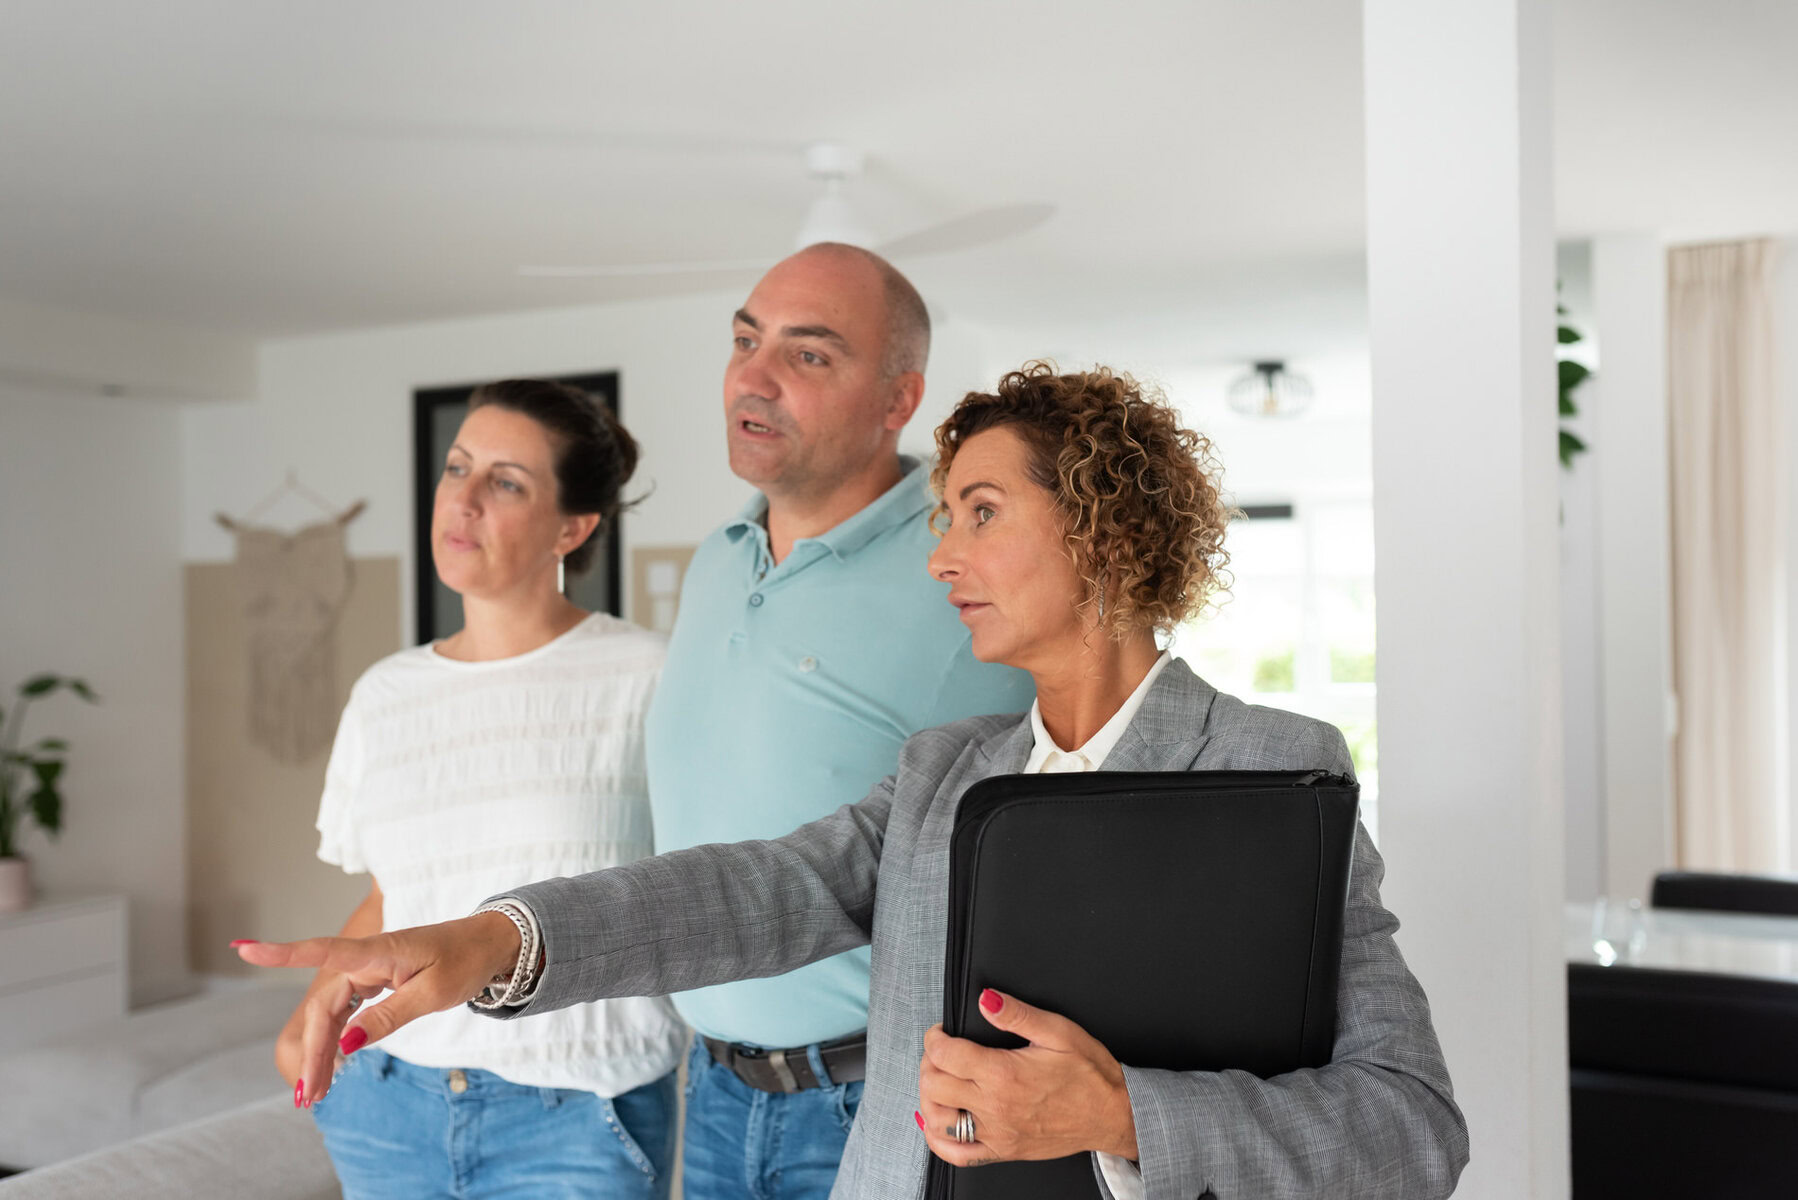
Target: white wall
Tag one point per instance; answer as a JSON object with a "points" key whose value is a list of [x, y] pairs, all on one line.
{"points": [[1785, 345], [1630, 452], [1582, 767], [90, 514], [1326, 453], [46, 347], [337, 410]]}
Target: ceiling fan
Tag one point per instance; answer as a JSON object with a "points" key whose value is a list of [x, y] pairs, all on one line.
{"points": [[831, 218]]}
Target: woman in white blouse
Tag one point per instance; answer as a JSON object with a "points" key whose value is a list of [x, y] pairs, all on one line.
{"points": [[507, 752]]}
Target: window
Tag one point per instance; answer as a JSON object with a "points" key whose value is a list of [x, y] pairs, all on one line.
{"points": [[1297, 629]]}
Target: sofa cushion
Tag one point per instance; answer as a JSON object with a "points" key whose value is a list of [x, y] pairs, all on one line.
{"points": [[158, 1067], [266, 1150], [229, 1078], [1695, 1026]]}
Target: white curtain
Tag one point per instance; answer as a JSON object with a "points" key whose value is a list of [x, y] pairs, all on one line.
{"points": [[1728, 557]]}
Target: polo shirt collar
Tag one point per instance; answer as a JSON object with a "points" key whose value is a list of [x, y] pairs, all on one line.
{"points": [[906, 500]]}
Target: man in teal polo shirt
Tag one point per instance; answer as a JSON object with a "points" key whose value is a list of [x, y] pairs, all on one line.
{"points": [[811, 643]]}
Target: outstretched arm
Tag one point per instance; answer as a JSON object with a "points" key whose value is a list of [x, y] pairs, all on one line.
{"points": [[710, 914], [696, 917]]}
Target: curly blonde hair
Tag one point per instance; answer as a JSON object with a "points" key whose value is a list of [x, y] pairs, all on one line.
{"points": [[1138, 494]]}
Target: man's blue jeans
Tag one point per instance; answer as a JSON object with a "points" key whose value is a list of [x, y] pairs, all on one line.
{"points": [[742, 1142], [396, 1131]]}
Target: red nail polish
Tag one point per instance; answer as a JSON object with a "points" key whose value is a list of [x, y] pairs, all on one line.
{"points": [[918, 1117], [991, 1001], [243, 942], [299, 1093], [352, 1040]]}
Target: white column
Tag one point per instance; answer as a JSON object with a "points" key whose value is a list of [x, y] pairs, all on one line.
{"points": [[1785, 341], [1629, 450], [1461, 310]]}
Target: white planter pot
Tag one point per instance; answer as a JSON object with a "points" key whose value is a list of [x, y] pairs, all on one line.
{"points": [[15, 884]]}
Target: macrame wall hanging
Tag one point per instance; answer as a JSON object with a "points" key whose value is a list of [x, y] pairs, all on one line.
{"points": [[294, 587]]}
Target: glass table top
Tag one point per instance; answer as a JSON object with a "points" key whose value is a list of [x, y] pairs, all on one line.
{"points": [[1614, 933]]}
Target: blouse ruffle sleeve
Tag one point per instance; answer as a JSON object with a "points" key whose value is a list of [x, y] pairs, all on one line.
{"points": [[339, 840]]}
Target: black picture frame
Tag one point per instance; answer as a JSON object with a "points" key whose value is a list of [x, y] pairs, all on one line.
{"points": [[434, 409]]}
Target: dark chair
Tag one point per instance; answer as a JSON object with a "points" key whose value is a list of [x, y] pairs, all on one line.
{"points": [[1773, 895], [1683, 1084]]}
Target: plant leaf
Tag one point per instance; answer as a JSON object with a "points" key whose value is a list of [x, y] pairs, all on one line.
{"points": [[46, 806], [1568, 336], [38, 685], [1570, 446], [50, 746], [80, 688], [1572, 374], [46, 772]]}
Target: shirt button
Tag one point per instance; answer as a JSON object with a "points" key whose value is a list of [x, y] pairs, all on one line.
{"points": [[458, 1081], [755, 600], [808, 663]]}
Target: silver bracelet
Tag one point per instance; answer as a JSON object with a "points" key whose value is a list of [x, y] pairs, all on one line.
{"points": [[513, 989]]}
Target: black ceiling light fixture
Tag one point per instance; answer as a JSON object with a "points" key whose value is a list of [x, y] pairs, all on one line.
{"points": [[1270, 390]]}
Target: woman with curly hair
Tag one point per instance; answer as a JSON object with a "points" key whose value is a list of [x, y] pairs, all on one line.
{"points": [[1078, 521]]}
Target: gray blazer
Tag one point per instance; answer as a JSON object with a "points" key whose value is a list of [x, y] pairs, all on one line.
{"points": [[1379, 1121]]}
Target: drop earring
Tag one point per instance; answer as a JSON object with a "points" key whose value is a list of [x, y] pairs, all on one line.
{"points": [[561, 578]]}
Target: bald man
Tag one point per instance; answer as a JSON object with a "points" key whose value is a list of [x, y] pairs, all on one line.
{"points": [[810, 644]]}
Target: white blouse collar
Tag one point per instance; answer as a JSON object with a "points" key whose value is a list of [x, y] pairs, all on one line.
{"points": [[1100, 744]]}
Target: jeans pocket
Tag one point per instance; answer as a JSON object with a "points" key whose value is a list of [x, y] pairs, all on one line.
{"points": [[328, 1103], [627, 1140], [846, 1101]]}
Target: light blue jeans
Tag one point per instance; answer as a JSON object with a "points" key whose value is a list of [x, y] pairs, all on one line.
{"points": [[744, 1143], [401, 1132]]}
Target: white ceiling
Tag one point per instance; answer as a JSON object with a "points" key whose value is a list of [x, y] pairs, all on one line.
{"points": [[267, 168]]}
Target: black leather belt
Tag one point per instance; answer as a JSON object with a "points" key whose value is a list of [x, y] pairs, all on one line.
{"points": [[845, 1061]]}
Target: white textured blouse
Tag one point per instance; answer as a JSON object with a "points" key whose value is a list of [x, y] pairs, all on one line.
{"points": [[452, 781]]}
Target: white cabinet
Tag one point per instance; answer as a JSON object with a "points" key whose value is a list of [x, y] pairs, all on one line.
{"points": [[62, 965]]}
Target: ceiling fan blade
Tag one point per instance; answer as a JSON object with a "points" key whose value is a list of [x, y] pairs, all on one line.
{"points": [[978, 228], [640, 270]]}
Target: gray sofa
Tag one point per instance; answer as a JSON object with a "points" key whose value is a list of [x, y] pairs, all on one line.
{"points": [[177, 1100], [155, 1069], [264, 1150]]}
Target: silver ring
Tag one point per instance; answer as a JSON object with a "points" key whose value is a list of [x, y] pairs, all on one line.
{"points": [[355, 1002], [964, 1127]]}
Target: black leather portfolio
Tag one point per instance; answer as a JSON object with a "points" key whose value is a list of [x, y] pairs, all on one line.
{"points": [[1190, 921]]}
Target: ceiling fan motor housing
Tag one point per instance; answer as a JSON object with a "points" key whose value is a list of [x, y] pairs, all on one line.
{"points": [[830, 217]]}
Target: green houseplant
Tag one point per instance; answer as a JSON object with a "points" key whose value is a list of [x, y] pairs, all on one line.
{"points": [[1572, 374], [29, 776]]}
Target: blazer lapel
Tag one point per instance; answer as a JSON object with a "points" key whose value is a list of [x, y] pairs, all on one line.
{"points": [[1006, 752], [1168, 732]]}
